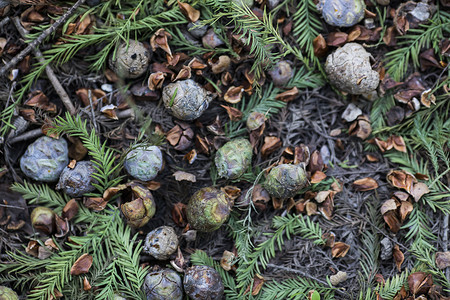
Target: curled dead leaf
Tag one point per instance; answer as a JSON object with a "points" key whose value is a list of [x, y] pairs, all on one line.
{"points": [[311, 208], [419, 282], [233, 192], [405, 209], [156, 80], [179, 214], [401, 179], [399, 258], [329, 238], [234, 94], [443, 260], [361, 127], [180, 175], [233, 113], [95, 203], [392, 221], [189, 12], [320, 46], [339, 249], [365, 184], [318, 176], [388, 205], [161, 40], [288, 95], [82, 265], [401, 196], [327, 207], [323, 195], [271, 144], [86, 285], [70, 210], [316, 162], [418, 190], [226, 262]]}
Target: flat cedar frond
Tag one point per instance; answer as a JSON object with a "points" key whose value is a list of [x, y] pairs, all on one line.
{"points": [[419, 230], [306, 27], [102, 156], [41, 195], [200, 257], [392, 286], [294, 289], [379, 109], [412, 43], [370, 250], [256, 261]]}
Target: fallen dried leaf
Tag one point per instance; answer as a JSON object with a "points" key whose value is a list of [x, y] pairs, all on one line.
{"points": [[233, 113], [226, 262], [316, 162], [161, 40], [323, 195], [336, 39], [329, 238], [419, 282], [399, 258], [401, 179], [318, 176], [234, 94], [82, 265], [392, 221], [401, 196], [288, 95], [86, 285], [95, 203], [179, 214], [365, 184], [156, 80], [443, 260], [180, 175], [70, 210], [398, 143], [339, 249], [327, 207], [311, 208], [388, 205], [271, 144], [405, 209], [320, 46], [189, 12]]}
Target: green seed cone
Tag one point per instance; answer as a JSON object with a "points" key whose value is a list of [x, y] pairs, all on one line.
{"points": [[234, 158], [285, 180], [208, 209]]}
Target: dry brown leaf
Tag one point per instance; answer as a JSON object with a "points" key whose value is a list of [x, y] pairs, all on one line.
{"points": [[372, 158], [427, 98], [39, 100], [32, 248], [233, 113], [419, 282], [405, 209], [86, 285], [233, 192], [95, 203], [180, 175], [398, 143], [399, 258], [388, 205], [62, 226], [365, 184], [260, 197], [392, 221], [327, 207], [258, 282], [320, 46], [401, 179], [311, 208], [329, 238], [271, 144], [179, 214], [418, 190], [234, 94], [191, 156], [316, 162], [156, 80], [288, 95], [161, 40], [197, 64], [323, 195], [185, 73], [361, 127], [226, 262], [189, 12], [318, 176], [51, 244], [401, 196], [336, 39], [443, 260], [339, 249], [82, 265], [70, 210]]}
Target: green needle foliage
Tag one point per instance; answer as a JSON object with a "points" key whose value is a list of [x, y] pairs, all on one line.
{"points": [[392, 286], [254, 262], [414, 41], [102, 156], [294, 289]]}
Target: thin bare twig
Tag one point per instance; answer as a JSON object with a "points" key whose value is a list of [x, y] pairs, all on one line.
{"points": [[26, 136], [51, 75], [40, 38]]}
